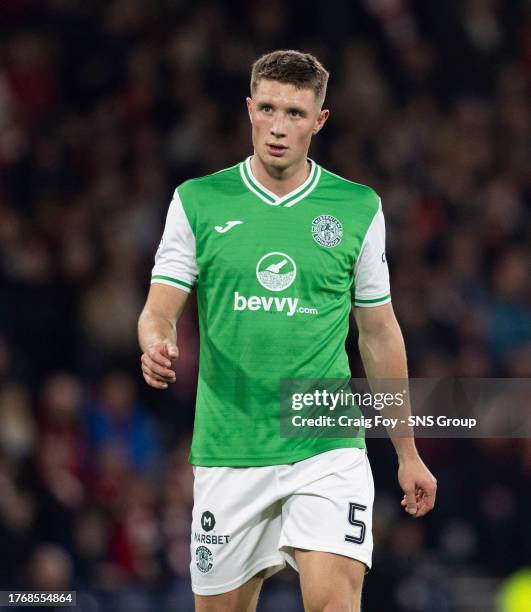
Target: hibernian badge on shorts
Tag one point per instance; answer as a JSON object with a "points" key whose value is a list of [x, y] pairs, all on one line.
{"points": [[327, 231], [203, 559]]}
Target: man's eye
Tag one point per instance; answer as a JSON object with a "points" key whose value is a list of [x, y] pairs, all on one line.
{"points": [[267, 109], [295, 113]]}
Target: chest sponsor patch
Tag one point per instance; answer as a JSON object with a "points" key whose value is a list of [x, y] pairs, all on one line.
{"points": [[276, 271]]}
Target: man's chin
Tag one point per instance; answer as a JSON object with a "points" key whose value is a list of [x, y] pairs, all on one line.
{"points": [[280, 163]]}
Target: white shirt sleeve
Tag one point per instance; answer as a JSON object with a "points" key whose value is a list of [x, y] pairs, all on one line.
{"points": [[175, 260], [371, 274]]}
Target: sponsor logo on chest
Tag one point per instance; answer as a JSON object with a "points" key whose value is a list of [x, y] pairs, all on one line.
{"points": [[276, 272], [260, 302]]}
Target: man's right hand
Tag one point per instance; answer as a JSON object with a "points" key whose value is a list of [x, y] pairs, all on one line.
{"points": [[157, 363]]}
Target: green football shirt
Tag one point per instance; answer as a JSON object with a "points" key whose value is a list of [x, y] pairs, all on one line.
{"points": [[276, 278]]}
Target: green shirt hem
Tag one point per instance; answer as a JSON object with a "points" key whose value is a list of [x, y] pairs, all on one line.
{"points": [[202, 461]]}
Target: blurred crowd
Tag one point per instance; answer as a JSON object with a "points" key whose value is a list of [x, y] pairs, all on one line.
{"points": [[106, 106]]}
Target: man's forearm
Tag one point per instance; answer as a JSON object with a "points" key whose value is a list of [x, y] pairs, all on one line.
{"points": [[384, 357], [157, 323], [153, 327]]}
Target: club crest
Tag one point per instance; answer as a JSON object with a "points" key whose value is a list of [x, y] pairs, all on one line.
{"points": [[327, 231]]}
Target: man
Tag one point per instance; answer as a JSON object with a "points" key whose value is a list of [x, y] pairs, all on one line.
{"points": [[280, 251]]}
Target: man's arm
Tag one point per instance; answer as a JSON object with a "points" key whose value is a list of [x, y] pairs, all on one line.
{"points": [[383, 354], [157, 333]]}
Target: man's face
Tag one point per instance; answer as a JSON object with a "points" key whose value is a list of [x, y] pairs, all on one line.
{"points": [[283, 119]]}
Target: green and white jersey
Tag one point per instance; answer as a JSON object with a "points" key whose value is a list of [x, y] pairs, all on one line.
{"points": [[276, 278]]}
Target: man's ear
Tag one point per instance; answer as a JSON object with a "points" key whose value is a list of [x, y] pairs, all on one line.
{"points": [[321, 119], [249, 102]]}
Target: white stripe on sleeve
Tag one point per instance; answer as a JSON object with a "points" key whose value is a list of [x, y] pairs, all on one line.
{"points": [[175, 260], [371, 274]]}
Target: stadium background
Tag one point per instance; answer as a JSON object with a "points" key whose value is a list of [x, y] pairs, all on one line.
{"points": [[105, 106]]}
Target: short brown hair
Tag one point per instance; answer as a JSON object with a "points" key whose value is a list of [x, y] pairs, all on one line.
{"points": [[302, 70]]}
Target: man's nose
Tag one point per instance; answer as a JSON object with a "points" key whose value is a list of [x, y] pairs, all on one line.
{"points": [[278, 127]]}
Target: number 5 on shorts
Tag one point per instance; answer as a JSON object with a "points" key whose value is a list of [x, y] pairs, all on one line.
{"points": [[357, 523]]}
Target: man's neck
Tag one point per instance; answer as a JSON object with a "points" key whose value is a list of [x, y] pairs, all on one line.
{"points": [[280, 182]]}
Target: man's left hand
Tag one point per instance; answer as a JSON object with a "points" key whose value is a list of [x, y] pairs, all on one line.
{"points": [[419, 486]]}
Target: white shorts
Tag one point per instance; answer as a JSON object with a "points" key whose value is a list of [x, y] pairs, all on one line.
{"points": [[249, 519]]}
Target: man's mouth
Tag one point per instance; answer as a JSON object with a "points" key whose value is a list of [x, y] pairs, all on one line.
{"points": [[276, 149]]}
